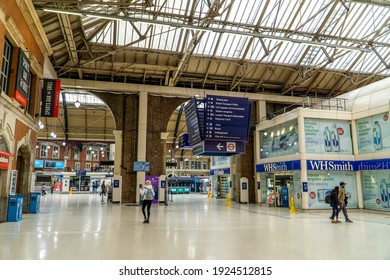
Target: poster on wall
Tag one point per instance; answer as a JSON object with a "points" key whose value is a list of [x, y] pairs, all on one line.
{"points": [[14, 176], [376, 190], [373, 134], [328, 136], [220, 161], [280, 140], [23, 79], [320, 183]]}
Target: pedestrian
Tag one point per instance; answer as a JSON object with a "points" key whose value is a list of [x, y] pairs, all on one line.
{"points": [[103, 191], [334, 202], [147, 194], [43, 190], [343, 200]]}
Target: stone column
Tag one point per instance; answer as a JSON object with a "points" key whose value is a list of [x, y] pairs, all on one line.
{"points": [[142, 136], [118, 151]]}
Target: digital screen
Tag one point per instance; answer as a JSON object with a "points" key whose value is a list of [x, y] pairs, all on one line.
{"points": [[54, 164], [141, 166], [38, 163]]}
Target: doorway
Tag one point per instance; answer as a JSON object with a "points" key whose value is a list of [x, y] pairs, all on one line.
{"points": [[278, 188]]}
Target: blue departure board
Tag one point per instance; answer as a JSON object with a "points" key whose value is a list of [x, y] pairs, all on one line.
{"points": [[227, 118]]}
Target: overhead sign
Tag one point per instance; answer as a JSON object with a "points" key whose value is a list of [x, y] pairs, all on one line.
{"points": [[227, 118], [193, 122], [23, 79], [50, 98], [331, 165], [218, 148], [183, 142], [221, 171], [279, 166]]}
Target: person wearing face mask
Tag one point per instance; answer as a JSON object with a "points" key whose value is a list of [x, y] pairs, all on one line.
{"points": [[343, 201]]}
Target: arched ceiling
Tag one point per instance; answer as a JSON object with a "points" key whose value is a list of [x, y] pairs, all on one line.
{"points": [[289, 47]]}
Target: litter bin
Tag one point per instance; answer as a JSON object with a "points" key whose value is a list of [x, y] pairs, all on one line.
{"points": [[35, 202], [15, 208]]}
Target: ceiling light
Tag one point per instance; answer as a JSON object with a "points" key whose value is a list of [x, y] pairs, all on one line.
{"points": [[77, 103]]}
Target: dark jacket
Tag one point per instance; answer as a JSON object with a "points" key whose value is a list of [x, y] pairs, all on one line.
{"points": [[334, 201]]}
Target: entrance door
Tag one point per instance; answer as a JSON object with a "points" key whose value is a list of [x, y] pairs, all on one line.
{"points": [[282, 188]]}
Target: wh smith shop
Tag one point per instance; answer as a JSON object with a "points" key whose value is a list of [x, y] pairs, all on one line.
{"points": [[303, 154]]}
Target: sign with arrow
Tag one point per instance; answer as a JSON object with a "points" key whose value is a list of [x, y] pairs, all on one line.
{"points": [[218, 148]]}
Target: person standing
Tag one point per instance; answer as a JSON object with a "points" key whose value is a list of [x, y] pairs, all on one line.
{"points": [[343, 200], [334, 202], [103, 191], [147, 194]]}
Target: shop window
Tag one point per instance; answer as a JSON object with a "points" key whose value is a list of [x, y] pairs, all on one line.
{"points": [[6, 66], [43, 153], [56, 152]]}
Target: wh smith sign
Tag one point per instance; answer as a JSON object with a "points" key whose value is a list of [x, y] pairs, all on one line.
{"points": [[279, 166], [331, 165]]}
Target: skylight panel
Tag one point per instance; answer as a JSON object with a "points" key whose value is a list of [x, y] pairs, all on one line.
{"points": [[82, 98], [207, 45], [231, 46]]}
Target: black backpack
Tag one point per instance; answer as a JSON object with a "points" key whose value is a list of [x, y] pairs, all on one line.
{"points": [[328, 198]]}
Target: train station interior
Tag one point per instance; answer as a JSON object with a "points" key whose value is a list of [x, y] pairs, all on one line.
{"points": [[243, 114]]}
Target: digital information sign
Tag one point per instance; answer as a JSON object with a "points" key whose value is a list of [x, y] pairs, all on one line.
{"points": [[227, 118], [218, 125], [192, 120]]}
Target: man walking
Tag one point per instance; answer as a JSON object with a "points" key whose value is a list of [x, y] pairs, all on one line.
{"points": [[335, 204], [343, 201]]}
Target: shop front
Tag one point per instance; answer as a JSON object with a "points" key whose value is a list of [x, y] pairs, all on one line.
{"points": [[221, 182], [278, 182]]}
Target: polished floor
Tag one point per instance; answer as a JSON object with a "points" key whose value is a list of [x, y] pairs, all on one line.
{"points": [[192, 227]]}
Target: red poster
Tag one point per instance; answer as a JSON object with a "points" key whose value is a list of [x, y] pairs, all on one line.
{"points": [[4, 160]]}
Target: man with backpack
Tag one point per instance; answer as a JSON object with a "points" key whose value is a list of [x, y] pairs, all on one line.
{"points": [[335, 204], [147, 194]]}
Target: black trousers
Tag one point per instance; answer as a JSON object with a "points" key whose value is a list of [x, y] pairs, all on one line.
{"points": [[146, 204]]}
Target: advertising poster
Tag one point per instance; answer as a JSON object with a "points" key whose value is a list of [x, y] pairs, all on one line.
{"points": [[376, 190], [328, 136], [280, 140], [219, 161], [320, 183], [373, 134], [23, 79], [295, 189]]}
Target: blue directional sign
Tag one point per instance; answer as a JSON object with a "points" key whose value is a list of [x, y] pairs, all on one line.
{"points": [[183, 142], [227, 118], [219, 148]]}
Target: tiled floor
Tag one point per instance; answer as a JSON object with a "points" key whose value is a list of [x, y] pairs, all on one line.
{"points": [[193, 227]]}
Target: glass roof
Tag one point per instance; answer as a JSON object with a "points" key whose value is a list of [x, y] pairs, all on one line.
{"points": [[336, 35]]}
